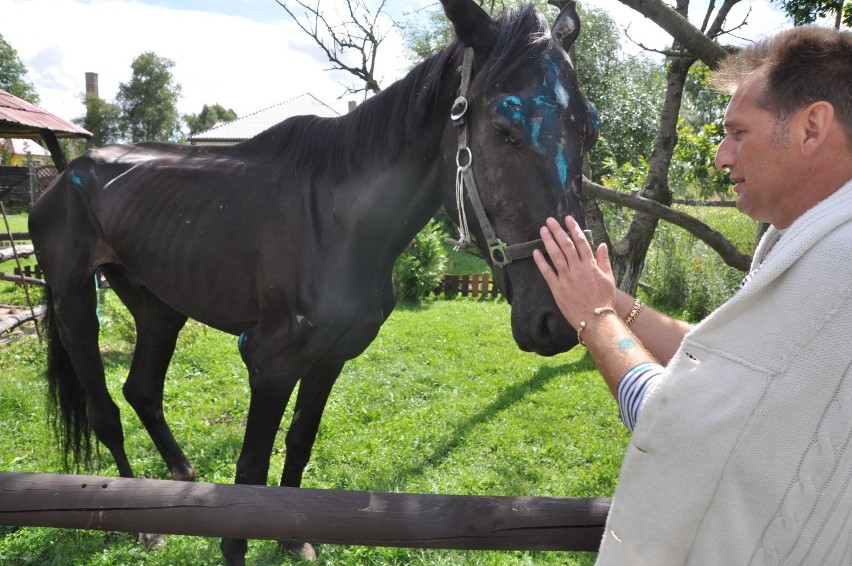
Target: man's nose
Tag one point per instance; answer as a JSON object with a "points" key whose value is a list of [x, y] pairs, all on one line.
{"points": [[724, 155]]}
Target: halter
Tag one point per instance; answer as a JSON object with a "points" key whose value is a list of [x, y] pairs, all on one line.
{"points": [[501, 253]]}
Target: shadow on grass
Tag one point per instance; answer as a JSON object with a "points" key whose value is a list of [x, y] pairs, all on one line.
{"points": [[507, 399]]}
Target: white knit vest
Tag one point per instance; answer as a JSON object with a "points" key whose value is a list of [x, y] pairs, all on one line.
{"points": [[741, 454]]}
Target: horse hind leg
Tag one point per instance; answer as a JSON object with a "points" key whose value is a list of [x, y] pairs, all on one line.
{"points": [[74, 327], [157, 329]]}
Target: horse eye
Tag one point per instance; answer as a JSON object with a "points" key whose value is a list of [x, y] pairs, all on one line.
{"points": [[506, 135]]}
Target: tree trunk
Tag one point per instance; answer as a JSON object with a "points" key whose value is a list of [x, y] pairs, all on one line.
{"points": [[628, 255]]}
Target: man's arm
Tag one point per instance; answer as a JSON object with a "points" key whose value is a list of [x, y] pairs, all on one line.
{"points": [[660, 334]]}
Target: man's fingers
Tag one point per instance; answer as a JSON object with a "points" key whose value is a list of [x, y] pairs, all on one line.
{"points": [[579, 241]]}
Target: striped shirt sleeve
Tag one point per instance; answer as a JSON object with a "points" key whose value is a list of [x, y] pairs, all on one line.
{"points": [[633, 388]]}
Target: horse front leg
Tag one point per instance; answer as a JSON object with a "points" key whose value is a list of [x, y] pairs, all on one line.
{"points": [[314, 390], [271, 380]]}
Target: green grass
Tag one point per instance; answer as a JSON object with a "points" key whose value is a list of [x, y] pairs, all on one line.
{"points": [[442, 402], [463, 262]]}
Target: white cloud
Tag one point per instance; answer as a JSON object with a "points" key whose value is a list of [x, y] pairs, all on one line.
{"points": [[230, 60]]}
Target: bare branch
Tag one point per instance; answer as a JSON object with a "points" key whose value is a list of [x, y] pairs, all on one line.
{"points": [[713, 238], [360, 34]]}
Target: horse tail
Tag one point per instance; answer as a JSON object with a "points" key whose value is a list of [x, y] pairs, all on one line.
{"points": [[66, 398]]}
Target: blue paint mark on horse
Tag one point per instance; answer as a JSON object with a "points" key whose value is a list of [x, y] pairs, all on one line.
{"points": [[537, 116], [78, 178], [242, 341], [561, 165]]}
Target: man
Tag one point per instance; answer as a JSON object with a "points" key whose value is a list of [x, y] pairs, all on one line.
{"points": [[743, 424]]}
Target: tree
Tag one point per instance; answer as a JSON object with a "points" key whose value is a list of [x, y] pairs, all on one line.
{"points": [[809, 11], [626, 90], [208, 117], [358, 37], [690, 45], [103, 119], [149, 101], [12, 72]]}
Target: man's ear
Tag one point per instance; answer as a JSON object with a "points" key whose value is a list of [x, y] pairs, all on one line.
{"points": [[815, 122]]}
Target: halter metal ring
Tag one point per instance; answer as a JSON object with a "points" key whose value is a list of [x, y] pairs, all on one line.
{"points": [[499, 253], [459, 108], [468, 162]]}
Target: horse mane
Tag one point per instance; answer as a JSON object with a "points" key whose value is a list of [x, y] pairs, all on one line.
{"points": [[383, 126]]}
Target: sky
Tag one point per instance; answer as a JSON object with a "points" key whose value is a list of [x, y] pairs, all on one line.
{"points": [[246, 55]]}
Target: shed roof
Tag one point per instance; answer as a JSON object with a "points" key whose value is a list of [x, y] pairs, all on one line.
{"points": [[20, 119], [252, 124]]}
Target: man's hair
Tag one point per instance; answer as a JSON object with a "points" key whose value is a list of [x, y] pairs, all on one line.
{"points": [[802, 65]]}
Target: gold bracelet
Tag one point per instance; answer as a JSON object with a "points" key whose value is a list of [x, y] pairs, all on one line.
{"points": [[634, 312], [582, 326]]}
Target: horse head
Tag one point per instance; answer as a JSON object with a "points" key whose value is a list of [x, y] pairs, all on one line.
{"points": [[517, 137]]}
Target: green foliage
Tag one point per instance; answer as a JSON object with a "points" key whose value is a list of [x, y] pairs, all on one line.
{"points": [[441, 402], [103, 119], [684, 276], [803, 12], [12, 293], [420, 268], [208, 117], [626, 91], [626, 177], [425, 39], [693, 172], [12, 73], [701, 104], [149, 101]]}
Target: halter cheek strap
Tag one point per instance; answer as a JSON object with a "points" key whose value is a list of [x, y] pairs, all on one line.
{"points": [[501, 253]]}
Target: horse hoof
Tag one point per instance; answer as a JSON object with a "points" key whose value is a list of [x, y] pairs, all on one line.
{"points": [[151, 541], [302, 551]]}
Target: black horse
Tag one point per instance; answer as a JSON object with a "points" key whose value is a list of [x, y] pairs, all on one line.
{"points": [[288, 240]]}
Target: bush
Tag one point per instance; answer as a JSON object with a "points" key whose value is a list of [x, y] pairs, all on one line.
{"points": [[685, 276], [419, 269]]}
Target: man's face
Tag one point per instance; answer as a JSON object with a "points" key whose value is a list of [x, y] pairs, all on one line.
{"points": [[759, 157]]}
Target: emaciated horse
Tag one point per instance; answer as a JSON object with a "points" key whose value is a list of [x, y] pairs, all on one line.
{"points": [[288, 240]]}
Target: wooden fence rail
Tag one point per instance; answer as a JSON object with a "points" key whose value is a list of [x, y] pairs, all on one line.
{"points": [[4, 237], [321, 516]]}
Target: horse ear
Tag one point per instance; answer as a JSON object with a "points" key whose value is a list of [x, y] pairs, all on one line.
{"points": [[473, 25], [566, 28]]}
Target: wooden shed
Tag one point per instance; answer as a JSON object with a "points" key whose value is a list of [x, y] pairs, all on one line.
{"points": [[20, 119]]}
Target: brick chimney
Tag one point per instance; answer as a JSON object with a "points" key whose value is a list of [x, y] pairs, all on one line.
{"points": [[92, 84]]}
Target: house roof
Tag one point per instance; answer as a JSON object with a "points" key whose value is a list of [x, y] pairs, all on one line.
{"points": [[252, 124], [20, 119], [20, 146]]}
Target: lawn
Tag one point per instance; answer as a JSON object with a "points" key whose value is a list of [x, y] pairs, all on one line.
{"points": [[442, 402]]}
